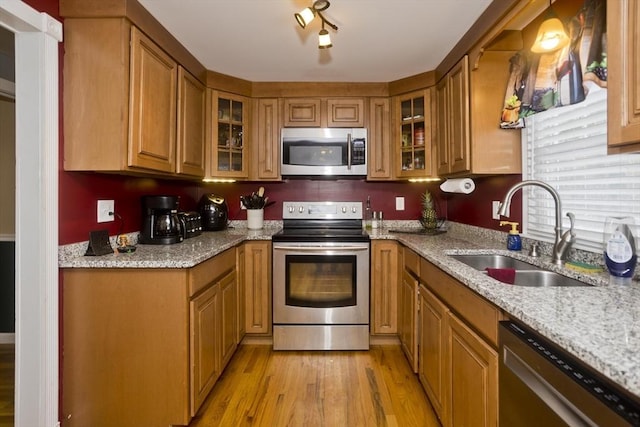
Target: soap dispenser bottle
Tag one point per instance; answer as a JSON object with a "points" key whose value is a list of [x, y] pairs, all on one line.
{"points": [[514, 243]]}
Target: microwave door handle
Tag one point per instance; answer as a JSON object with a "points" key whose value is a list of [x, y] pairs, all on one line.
{"points": [[349, 151]]}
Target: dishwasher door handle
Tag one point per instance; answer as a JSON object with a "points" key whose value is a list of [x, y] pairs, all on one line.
{"points": [[545, 391]]}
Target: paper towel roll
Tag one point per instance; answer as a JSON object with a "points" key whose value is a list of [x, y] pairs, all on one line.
{"points": [[462, 185]]}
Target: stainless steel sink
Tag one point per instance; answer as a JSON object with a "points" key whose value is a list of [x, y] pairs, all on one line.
{"points": [[526, 274], [482, 261], [543, 278]]}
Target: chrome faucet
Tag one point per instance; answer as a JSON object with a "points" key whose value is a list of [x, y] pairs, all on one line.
{"points": [[564, 241]]}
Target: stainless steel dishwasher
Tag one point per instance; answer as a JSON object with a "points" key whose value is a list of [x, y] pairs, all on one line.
{"points": [[542, 385]]}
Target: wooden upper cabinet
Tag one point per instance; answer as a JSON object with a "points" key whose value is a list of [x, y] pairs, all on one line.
{"points": [[229, 142], [191, 125], [623, 60], [468, 107], [345, 112], [301, 112], [413, 135], [152, 111], [323, 112], [122, 103], [379, 140], [265, 152]]}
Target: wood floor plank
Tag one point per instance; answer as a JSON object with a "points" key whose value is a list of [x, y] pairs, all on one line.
{"points": [[262, 387], [7, 387]]}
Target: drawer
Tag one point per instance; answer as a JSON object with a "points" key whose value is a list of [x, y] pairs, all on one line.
{"points": [[479, 313], [208, 271], [411, 261]]}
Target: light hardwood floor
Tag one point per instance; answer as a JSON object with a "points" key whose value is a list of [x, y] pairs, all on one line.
{"points": [[261, 387], [7, 375]]}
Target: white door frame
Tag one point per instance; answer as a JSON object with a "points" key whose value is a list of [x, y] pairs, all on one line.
{"points": [[37, 83]]}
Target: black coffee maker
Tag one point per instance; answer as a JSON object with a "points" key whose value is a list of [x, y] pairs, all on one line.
{"points": [[161, 224]]}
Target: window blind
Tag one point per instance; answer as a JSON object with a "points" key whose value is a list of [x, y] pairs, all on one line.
{"points": [[567, 148]]}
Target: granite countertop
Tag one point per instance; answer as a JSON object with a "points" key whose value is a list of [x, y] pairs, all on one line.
{"points": [[599, 324]]}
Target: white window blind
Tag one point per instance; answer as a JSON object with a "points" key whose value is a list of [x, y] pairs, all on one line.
{"points": [[567, 148]]}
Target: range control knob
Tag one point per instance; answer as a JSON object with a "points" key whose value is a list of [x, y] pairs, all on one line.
{"points": [[301, 209], [291, 209], [344, 209], [354, 209]]}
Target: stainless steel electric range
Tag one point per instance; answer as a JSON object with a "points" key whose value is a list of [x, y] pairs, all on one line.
{"points": [[321, 278]]}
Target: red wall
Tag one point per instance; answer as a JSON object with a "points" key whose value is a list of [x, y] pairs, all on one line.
{"points": [[79, 192]]}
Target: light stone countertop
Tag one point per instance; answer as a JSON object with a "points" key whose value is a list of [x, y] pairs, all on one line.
{"points": [[599, 324]]}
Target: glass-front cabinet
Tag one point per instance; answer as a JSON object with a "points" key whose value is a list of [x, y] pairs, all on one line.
{"points": [[229, 135], [413, 138]]}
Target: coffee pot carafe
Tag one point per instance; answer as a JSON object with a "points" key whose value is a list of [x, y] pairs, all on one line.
{"points": [[161, 224]]}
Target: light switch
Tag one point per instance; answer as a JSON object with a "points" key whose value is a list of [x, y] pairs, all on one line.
{"points": [[495, 205], [399, 203]]}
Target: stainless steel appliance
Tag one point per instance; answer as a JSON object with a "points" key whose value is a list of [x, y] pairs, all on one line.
{"points": [[160, 222], [541, 384], [328, 152], [321, 278], [214, 212]]}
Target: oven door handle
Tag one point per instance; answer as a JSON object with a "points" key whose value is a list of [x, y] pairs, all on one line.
{"points": [[349, 151], [321, 248]]}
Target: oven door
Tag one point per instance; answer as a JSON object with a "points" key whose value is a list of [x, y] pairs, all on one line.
{"points": [[321, 283]]}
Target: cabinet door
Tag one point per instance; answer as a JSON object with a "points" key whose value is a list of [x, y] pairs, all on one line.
{"points": [[301, 112], [345, 112], [623, 58], [265, 163], [191, 125], [240, 277], [229, 135], [228, 326], [442, 127], [408, 318], [379, 140], [204, 354], [152, 109], [473, 378], [257, 270], [458, 140], [384, 288], [432, 350], [414, 135]]}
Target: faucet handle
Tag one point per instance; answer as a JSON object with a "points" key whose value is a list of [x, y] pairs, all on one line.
{"points": [[572, 220]]}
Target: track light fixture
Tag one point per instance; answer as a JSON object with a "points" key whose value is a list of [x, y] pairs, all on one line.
{"points": [[309, 13], [551, 34]]}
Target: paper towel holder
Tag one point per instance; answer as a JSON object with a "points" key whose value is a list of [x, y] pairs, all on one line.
{"points": [[458, 185]]}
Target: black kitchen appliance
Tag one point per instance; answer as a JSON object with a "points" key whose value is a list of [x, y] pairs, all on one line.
{"points": [[191, 224], [160, 222], [214, 212]]}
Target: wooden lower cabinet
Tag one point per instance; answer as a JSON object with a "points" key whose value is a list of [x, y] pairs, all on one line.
{"points": [[204, 344], [384, 287], [143, 347], [473, 377], [257, 282], [408, 318], [432, 349], [458, 358]]}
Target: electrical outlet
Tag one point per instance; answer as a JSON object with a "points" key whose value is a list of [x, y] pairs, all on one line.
{"points": [[399, 203], [104, 208], [495, 205]]}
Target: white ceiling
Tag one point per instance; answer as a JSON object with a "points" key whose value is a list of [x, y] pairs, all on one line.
{"points": [[260, 41]]}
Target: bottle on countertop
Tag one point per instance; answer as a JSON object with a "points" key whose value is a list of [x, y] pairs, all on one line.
{"points": [[514, 243], [367, 214], [620, 249], [374, 220]]}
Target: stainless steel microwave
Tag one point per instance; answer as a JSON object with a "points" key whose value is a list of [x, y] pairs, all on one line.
{"points": [[325, 152]]}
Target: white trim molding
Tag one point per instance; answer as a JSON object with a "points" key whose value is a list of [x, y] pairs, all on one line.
{"points": [[37, 117]]}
